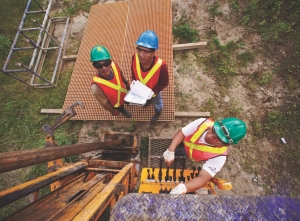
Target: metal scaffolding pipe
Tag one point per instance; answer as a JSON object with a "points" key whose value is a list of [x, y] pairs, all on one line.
{"points": [[19, 159], [10, 195]]}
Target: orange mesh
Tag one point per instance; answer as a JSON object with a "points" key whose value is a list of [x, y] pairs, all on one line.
{"points": [[117, 26]]}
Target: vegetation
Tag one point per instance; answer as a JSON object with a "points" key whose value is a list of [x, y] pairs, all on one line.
{"points": [[224, 60], [21, 121], [214, 9], [279, 25], [4, 46], [183, 32], [277, 21], [74, 7]]}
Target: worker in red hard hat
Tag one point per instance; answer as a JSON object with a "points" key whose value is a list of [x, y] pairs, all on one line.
{"points": [[109, 85], [205, 140], [150, 70]]}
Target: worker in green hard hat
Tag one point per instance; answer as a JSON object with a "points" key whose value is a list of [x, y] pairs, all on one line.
{"points": [[109, 85], [150, 70], [204, 140]]}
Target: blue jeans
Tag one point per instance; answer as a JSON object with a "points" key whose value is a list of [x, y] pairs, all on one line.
{"points": [[157, 102]]}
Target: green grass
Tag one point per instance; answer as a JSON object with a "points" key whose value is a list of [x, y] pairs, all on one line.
{"points": [[183, 32], [144, 146], [21, 120], [277, 21], [74, 7], [214, 9]]}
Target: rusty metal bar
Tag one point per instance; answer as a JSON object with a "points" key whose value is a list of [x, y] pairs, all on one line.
{"points": [[19, 159], [10, 195], [117, 152], [93, 210], [106, 163], [101, 170]]}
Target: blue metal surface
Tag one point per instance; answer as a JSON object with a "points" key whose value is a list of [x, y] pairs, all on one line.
{"points": [[193, 207]]}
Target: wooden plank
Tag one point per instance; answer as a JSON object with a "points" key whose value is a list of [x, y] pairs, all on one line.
{"points": [[177, 114], [51, 111], [192, 114], [189, 46], [175, 47], [70, 57]]}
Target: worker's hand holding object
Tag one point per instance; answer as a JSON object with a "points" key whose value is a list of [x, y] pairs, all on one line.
{"points": [[169, 157], [180, 189]]}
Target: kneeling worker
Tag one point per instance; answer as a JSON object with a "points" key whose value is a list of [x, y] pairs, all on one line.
{"points": [[109, 85], [205, 140]]}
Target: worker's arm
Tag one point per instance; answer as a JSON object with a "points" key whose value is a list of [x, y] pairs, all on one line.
{"points": [[198, 182], [208, 171], [169, 154], [163, 80], [102, 99], [192, 185], [126, 82], [132, 72], [177, 139]]}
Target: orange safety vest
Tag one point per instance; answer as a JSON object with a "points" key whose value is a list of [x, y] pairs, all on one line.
{"points": [[114, 89], [151, 77], [197, 151]]}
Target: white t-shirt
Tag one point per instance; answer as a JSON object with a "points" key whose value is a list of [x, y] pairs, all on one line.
{"points": [[214, 165]]}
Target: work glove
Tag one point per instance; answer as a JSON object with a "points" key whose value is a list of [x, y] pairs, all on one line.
{"points": [[180, 189], [169, 157]]}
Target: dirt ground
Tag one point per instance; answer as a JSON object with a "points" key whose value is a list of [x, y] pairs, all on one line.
{"points": [[247, 167]]}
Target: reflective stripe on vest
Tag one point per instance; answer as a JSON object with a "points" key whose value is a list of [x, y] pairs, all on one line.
{"points": [[200, 147], [151, 72], [118, 87]]}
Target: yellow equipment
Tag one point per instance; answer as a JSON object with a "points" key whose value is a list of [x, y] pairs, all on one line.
{"points": [[150, 182]]}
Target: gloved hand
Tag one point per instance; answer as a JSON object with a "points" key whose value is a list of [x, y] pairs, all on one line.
{"points": [[180, 189], [169, 157]]}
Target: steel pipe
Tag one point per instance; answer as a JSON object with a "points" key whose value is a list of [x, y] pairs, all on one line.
{"points": [[10, 195], [19, 159]]}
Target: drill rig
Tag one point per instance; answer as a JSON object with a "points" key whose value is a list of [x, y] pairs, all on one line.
{"points": [[112, 178], [82, 189]]}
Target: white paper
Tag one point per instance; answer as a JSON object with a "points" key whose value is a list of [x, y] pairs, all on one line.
{"points": [[150, 95], [141, 90], [134, 99]]}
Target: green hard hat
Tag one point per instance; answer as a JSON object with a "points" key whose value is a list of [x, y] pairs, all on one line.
{"points": [[99, 53], [230, 130]]}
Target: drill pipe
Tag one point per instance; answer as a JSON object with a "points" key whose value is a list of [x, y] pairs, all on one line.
{"points": [[10, 195], [19, 159]]}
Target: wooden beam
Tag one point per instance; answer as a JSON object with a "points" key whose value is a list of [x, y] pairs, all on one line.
{"points": [[175, 47], [189, 46], [70, 57], [51, 111], [192, 114], [177, 114]]}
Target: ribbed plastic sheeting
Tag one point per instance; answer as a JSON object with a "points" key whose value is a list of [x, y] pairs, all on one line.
{"points": [[163, 207], [117, 26]]}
